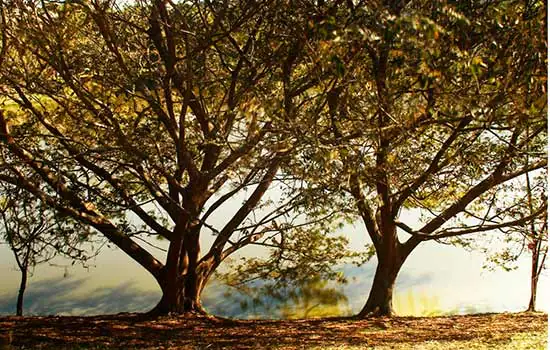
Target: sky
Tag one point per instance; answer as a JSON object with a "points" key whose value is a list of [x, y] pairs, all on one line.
{"points": [[451, 277]]}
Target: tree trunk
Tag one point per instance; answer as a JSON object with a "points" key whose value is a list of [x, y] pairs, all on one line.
{"points": [[183, 279], [20, 295], [391, 255], [181, 296], [379, 302], [534, 279]]}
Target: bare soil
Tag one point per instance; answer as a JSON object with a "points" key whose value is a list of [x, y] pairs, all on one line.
{"points": [[135, 331]]}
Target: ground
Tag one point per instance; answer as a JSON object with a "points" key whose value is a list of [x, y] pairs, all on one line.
{"points": [[134, 331]]}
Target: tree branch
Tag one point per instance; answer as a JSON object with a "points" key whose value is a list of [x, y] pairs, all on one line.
{"points": [[80, 210], [246, 208], [433, 167], [482, 228], [364, 209]]}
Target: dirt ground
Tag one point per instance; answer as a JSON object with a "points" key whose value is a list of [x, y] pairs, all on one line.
{"points": [[134, 331]]}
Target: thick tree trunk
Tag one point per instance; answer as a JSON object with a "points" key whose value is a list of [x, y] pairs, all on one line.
{"points": [[379, 302], [194, 284], [391, 255], [21, 293], [177, 299], [183, 279], [181, 296]]}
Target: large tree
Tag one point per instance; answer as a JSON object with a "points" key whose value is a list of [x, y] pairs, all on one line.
{"points": [[438, 107], [145, 118]]}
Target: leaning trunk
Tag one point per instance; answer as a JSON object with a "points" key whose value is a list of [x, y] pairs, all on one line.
{"points": [[391, 255], [379, 302], [20, 295]]}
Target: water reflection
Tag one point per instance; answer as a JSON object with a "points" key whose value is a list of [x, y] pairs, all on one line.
{"points": [[415, 293], [66, 296]]}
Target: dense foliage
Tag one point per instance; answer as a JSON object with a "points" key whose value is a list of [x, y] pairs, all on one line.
{"points": [[271, 123]]}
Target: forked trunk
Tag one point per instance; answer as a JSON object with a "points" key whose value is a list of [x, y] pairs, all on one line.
{"points": [[183, 280], [181, 296], [391, 255]]}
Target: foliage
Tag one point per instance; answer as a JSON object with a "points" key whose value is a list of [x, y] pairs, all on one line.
{"points": [[440, 107], [162, 112], [315, 299], [292, 277], [35, 234], [304, 299], [295, 254]]}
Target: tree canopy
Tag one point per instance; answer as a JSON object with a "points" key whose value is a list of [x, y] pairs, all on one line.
{"points": [[159, 110], [438, 107], [152, 118]]}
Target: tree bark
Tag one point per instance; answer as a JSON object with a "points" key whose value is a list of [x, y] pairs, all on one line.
{"points": [[183, 278], [534, 279], [391, 255], [535, 248], [181, 295], [380, 298], [21, 293]]}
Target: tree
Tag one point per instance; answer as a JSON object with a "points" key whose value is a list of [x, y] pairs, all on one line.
{"points": [[438, 107], [145, 119], [537, 236], [35, 235]]}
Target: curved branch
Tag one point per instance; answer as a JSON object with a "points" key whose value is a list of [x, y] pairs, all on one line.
{"points": [[446, 234]]}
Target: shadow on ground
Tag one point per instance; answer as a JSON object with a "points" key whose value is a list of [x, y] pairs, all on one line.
{"points": [[135, 331]]}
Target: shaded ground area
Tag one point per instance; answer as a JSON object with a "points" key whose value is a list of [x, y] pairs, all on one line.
{"points": [[133, 331]]}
